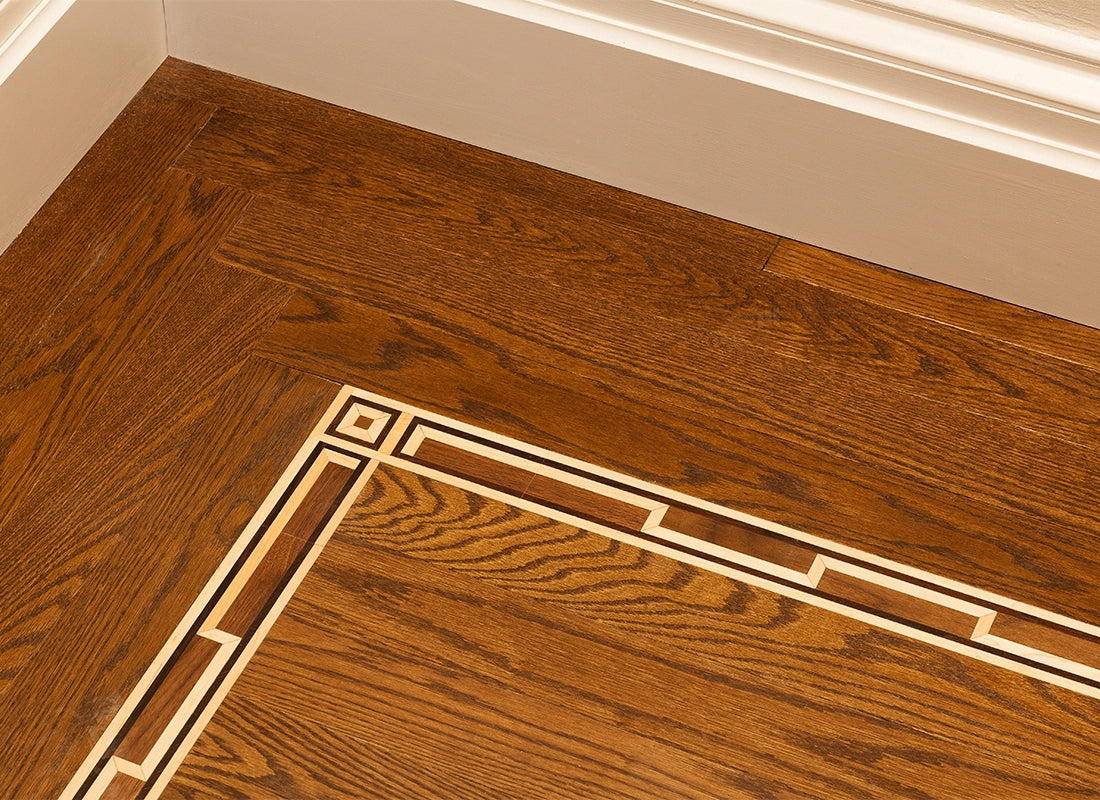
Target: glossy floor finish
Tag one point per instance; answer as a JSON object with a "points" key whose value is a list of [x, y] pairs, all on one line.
{"points": [[418, 457], [628, 501]]}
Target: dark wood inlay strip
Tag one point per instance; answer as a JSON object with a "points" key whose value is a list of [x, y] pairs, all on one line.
{"points": [[586, 503], [741, 537], [1049, 638], [473, 466], [896, 603], [157, 713], [287, 550], [270, 575], [123, 787]]}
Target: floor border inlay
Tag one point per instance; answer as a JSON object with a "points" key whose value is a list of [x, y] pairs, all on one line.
{"points": [[156, 726]]}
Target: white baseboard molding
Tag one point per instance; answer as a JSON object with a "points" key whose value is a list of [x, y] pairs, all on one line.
{"points": [[66, 72], [958, 169]]}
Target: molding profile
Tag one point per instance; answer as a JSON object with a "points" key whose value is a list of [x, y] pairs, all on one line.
{"points": [[936, 72], [27, 23], [66, 71]]}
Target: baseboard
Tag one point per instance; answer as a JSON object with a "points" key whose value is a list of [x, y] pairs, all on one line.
{"points": [[1018, 97], [66, 72], [964, 170]]}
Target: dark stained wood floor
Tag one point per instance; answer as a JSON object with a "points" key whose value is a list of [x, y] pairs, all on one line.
{"points": [[181, 311]]}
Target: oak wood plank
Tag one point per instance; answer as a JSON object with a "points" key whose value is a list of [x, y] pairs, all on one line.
{"points": [[806, 704], [106, 314], [254, 749], [491, 228], [679, 433], [348, 176], [447, 161], [100, 563], [855, 417], [73, 229], [920, 297], [752, 318], [946, 365]]}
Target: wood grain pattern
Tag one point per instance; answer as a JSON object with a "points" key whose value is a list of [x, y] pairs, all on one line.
{"points": [[81, 504], [960, 309], [69, 235], [467, 233], [97, 586], [447, 163], [804, 568], [740, 536], [405, 618], [454, 219], [176, 684], [471, 369], [105, 316], [450, 646], [920, 357], [1049, 638], [867, 422], [254, 749]]}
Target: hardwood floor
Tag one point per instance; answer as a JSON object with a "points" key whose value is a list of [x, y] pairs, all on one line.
{"points": [[913, 614]]}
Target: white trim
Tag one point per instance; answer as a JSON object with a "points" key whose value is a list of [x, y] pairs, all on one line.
{"points": [[991, 22], [29, 33], [927, 74]]}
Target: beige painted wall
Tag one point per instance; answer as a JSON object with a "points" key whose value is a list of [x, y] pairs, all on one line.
{"points": [[65, 93]]}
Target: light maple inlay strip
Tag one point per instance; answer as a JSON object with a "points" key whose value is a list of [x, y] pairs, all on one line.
{"points": [[189, 676], [137, 754], [889, 594]]}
